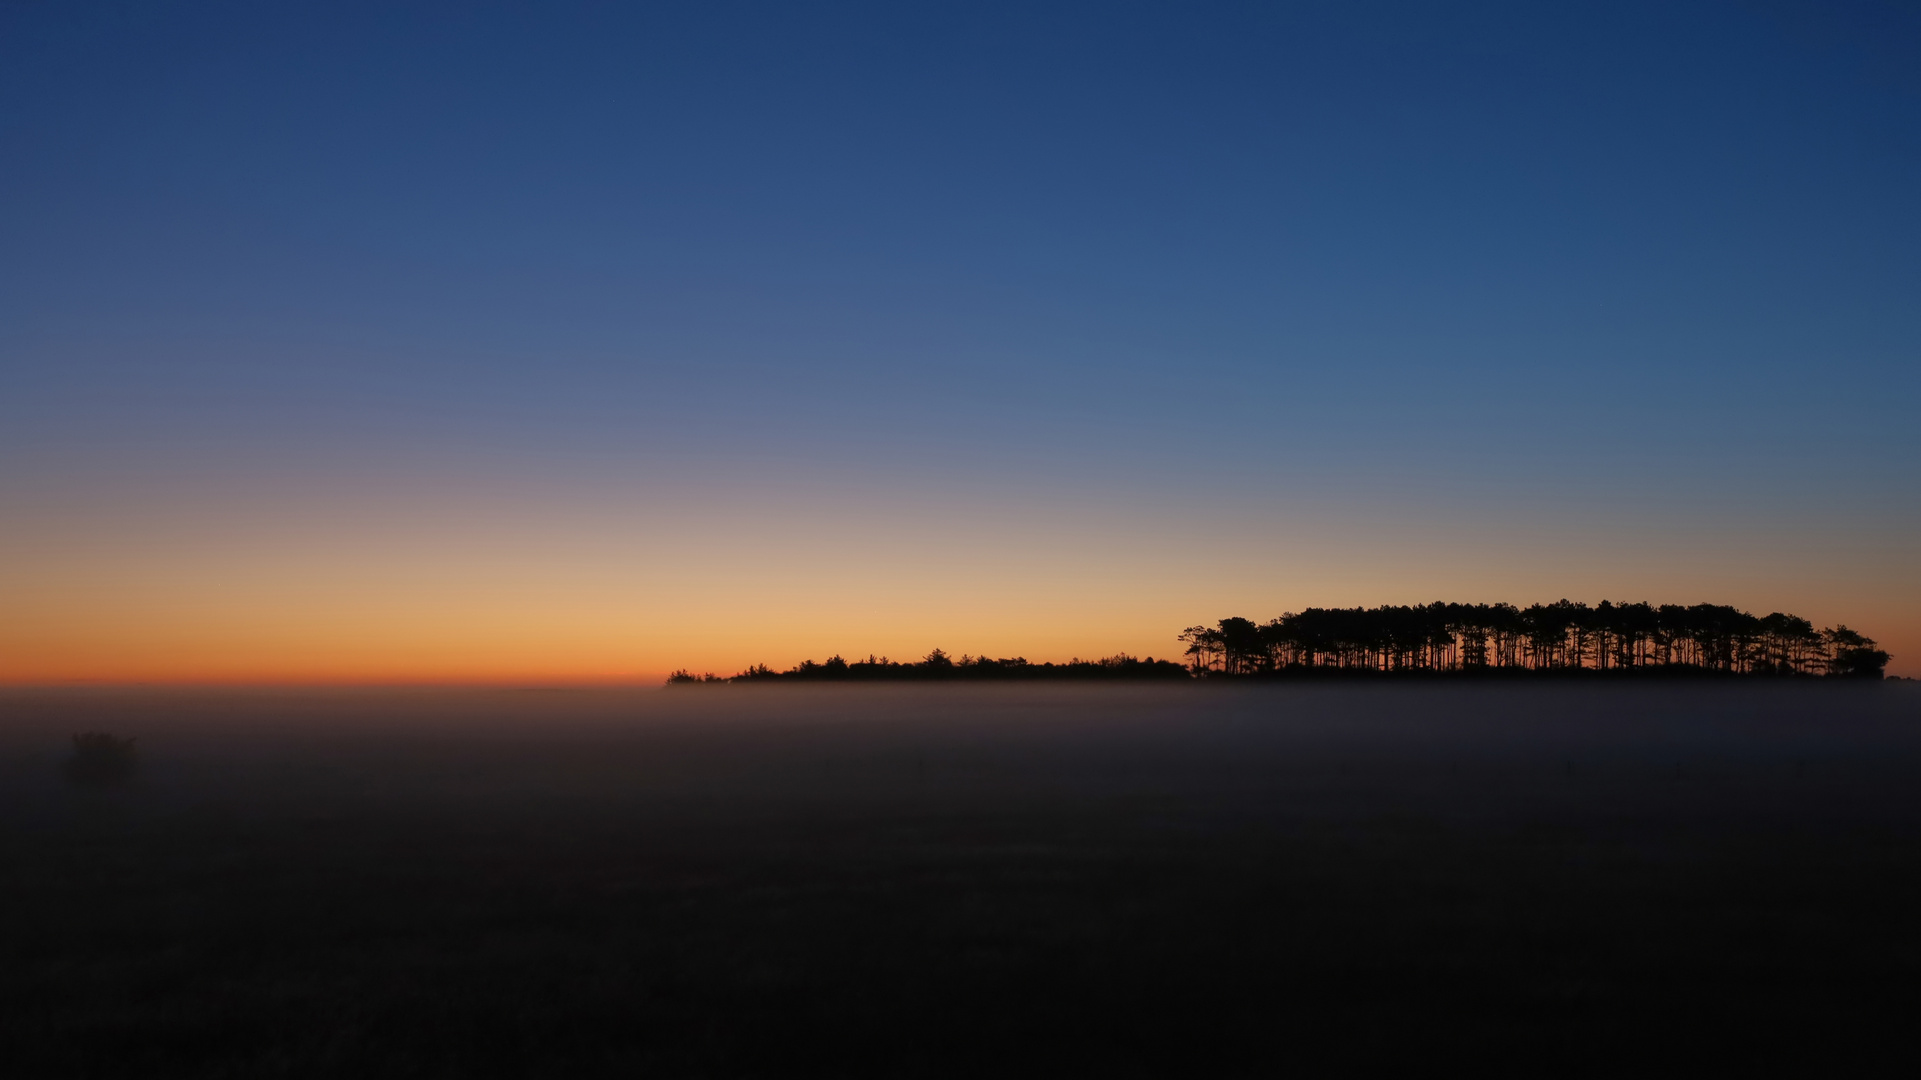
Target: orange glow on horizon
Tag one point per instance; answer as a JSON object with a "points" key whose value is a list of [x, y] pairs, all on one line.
{"points": [[494, 595]]}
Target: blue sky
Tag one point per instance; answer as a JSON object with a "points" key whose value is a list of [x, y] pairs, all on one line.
{"points": [[1634, 272]]}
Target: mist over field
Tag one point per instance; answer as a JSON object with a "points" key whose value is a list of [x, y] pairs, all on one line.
{"points": [[939, 880]]}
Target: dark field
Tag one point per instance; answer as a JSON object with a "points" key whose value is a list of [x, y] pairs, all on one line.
{"points": [[963, 881]]}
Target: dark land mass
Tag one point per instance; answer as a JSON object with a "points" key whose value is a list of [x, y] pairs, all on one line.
{"points": [[1134, 880], [937, 666], [1559, 640]]}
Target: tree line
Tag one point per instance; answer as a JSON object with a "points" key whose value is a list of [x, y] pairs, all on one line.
{"points": [[938, 666], [1564, 636]]}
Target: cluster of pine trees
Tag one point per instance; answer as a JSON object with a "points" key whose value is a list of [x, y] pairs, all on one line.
{"points": [[1563, 636], [937, 665]]}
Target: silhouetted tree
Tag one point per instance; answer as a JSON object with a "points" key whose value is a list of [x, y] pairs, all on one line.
{"points": [[1853, 656]]}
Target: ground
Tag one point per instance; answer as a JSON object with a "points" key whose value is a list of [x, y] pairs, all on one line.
{"points": [[950, 881]]}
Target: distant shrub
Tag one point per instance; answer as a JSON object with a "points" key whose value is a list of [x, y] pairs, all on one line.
{"points": [[683, 677], [101, 760]]}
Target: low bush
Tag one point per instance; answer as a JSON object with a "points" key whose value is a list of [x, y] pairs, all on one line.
{"points": [[101, 760]]}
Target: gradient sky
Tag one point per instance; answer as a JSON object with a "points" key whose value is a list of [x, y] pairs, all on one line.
{"points": [[588, 342]]}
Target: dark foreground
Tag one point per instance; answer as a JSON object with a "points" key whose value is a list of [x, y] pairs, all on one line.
{"points": [[1116, 881]]}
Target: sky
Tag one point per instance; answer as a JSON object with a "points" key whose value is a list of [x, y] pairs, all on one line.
{"points": [[480, 342]]}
